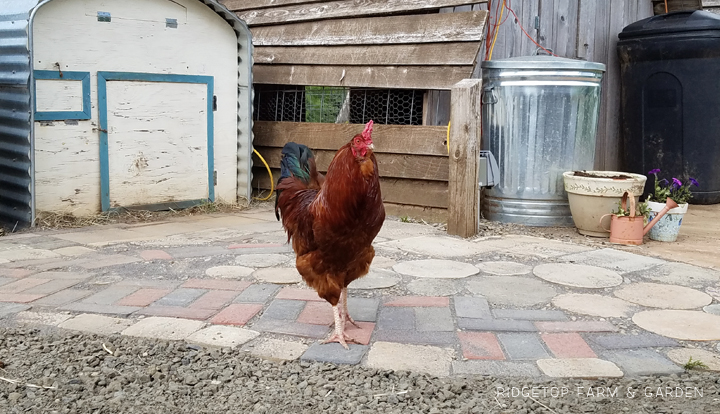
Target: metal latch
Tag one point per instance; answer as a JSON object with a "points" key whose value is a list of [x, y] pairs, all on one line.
{"points": [[103, 16], [488, 171], [171, 23]]}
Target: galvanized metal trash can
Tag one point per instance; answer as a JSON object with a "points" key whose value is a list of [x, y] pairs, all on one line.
{"points": [[540, 116]]}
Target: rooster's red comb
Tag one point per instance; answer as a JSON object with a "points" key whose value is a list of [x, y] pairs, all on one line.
{"points": [[367, 132]]}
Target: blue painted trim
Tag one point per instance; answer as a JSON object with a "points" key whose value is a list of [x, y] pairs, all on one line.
{"points": [[83, 77], [103, 77]]}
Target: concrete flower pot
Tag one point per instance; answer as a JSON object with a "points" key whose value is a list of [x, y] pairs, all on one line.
{"points": [[597, 194]]}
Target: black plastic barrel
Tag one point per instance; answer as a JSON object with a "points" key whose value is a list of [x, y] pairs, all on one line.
{"points": [[670, 106]]}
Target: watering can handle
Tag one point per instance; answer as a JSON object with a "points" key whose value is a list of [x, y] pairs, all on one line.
{"points": [[601, 219], [628, 195]]}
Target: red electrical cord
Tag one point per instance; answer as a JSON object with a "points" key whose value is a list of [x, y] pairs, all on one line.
{"points": [[493, 27]]}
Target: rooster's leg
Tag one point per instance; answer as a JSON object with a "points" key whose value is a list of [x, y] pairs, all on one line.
{"points": [[344, 311], [339, 334]]}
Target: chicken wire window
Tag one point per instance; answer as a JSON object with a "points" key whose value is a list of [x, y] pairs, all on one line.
{"points": [[338, 105]]}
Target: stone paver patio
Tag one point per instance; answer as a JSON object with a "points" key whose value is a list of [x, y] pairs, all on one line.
{"points": [[503, 306]]}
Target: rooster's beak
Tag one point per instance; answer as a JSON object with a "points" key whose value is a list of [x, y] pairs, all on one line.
{"points": [[372, 147]]}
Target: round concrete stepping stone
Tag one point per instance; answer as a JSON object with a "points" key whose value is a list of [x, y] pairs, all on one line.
{"points": [[278, 275], [512, 290], [714, 292], [229, 272], [680, 324], [681, 356], [261, 260], [436, 268], [683, 274], [376, 279], [595, 305], [504, 268], [382, 262], [579, 368], [576, 275], [438, 246], [655, 295], [434, 287], [712, 309]]}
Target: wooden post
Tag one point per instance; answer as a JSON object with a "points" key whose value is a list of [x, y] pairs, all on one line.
{"points": [[465, 123]]}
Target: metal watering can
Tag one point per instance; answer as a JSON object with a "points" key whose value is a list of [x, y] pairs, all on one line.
{"points": [[629, 229]]}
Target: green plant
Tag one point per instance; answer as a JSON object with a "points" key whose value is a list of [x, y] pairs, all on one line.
{"points": [[641, 209], [678, 191], [405, 219], [696, 364]]}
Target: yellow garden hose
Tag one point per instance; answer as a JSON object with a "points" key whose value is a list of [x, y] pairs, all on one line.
{"points": [[272, 183], [492, 46], [447, 141]]}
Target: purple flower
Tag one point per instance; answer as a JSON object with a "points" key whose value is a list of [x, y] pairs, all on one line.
{"points": [[664, 181], [694, 182], [676, 183], [655, 171]]}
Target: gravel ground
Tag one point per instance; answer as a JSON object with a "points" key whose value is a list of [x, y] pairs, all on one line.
{"points": [[60, 371]]}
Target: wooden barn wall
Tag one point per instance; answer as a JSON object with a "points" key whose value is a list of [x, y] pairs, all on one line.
{"points": [[394, 44]]}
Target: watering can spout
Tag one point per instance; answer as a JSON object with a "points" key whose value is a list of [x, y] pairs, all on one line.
{"points": [[669, 204]]}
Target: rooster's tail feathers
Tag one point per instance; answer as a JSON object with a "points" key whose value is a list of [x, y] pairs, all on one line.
{"points": [[295, 162]]}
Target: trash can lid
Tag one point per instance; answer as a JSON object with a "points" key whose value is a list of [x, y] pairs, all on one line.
{"points": [[675, 22], [542, 62]]}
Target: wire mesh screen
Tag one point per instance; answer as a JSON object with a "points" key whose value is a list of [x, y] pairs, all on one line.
{"points": [[338, 105]]}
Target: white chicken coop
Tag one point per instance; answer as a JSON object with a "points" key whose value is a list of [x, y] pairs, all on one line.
{"points": [[122, 103]]}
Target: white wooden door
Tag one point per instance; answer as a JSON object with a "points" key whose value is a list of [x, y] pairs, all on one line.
{"points": [[157, 142]]}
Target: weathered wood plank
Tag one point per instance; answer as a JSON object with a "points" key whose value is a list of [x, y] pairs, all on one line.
{"points": [[340, 9], [423, 28], [586, 33], [394, 190], [465, 130], [392, 77], [239, 5], [438, 54], [392, 139], [418, 167]]}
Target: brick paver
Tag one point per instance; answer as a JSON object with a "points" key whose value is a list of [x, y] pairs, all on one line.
{"points": [[149, 255], [480, 345], [318, 313], [362, 334], [418, 301], [17, 273], [415, 337], [576, 326], [434, 319], [181, 297], [472, 307], [216, 284], [109, 260], [522, 346], [396, 319], [257, 293], [21, 285], [52, 286], [291, 328], [499, 325], [63, 297], [334, 353], [214, 299], [95, 308], [530, 314], [568, 345], [143, 297], [284, 309], [621, 341], [109, 295], [236, 314], [298, 294], [178, 312], [363, 309], [19, 297]]}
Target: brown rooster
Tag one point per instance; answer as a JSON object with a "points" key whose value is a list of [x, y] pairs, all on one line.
{"points": [[332, 220]]}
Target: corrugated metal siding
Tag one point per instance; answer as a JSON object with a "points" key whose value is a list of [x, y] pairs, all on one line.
{"points": [[15, 125]]}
